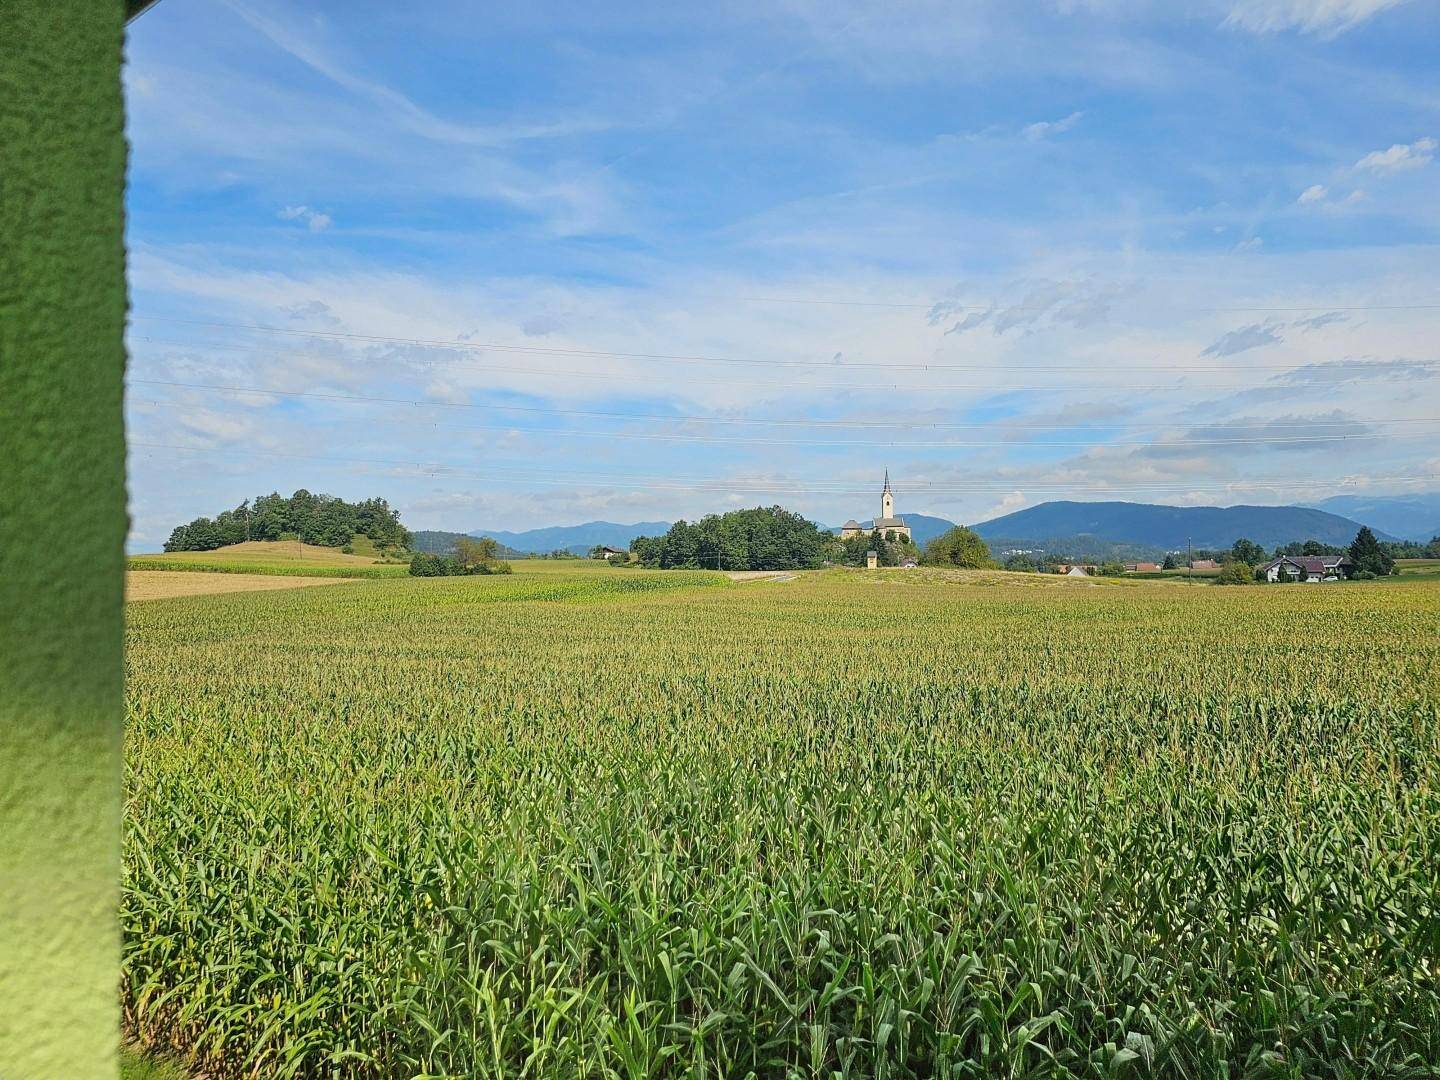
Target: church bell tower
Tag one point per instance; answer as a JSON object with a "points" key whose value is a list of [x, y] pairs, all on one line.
{"points": [[887, 500]]}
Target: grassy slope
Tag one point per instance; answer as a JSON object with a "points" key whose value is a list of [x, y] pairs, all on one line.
{"points": [[271, 557]]}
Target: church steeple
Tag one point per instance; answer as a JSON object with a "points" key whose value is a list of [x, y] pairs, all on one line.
{"points": [[887, 499]]}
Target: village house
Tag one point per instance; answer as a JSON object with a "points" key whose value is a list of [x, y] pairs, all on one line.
{"points": [[1204, 564], [1142, 567], [1309, 568], [603, 552]]}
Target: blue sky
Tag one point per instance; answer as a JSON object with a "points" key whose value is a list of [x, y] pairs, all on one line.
{"points": [[549, 263]]}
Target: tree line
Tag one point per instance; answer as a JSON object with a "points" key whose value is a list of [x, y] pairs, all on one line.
{"points": [[469, 555], [773, 538], [324, 520]]}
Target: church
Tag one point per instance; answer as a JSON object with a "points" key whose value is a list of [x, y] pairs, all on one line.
{"points": [[886, 523]]}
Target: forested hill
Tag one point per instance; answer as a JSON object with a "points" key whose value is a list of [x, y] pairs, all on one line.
{"points": [[1171, 527], [440, 542], [327, 520], [578, 539]]}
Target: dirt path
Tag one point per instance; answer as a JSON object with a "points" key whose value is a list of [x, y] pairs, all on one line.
{"points": [[160, 584], [760, 575]]}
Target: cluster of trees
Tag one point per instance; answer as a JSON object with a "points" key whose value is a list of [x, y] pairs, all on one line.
{"points": [[891, 548], [765, 538], [473, 555], [1369, 558], [1412, 549], [326, 520], [958, 547]]}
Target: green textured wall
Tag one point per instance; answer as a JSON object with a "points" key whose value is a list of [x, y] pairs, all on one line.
{"points": [[62, 528]]}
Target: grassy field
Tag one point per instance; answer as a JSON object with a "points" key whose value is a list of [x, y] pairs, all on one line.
{"points": [[1419, 567], [285, 557], [615, 823], [164, 584]]}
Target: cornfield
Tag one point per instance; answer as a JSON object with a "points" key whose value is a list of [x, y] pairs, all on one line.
{"points": [[647, 824]]}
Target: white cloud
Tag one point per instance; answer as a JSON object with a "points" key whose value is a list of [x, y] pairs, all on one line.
{"points": [[1399, 157], [1326, 18], [1045, 128], [314, 219], [1314, 193]]}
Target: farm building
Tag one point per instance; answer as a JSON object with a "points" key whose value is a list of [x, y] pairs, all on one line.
{"points": [[1142, 567], [1204, 564], [603, 552], [1077, 569], [1308, 568]]}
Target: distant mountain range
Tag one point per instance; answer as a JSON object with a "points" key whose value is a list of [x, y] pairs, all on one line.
{"points": [[1095, 530], [1410, 517], [1169, 528], [578, 539]]}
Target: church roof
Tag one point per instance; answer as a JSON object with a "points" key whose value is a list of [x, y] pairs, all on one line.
{"points": [[851, 524], [890, 523]]}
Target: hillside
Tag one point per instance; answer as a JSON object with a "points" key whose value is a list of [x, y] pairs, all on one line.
{"points": [[577, 538], [440, 542], [1089, 548], [1410, 517], [1170, 527]]}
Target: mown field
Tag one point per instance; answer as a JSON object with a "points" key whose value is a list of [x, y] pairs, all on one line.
{"points": [[284, 557], [650, 824]]}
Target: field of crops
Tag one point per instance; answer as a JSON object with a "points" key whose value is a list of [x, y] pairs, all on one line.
{"points": [[649, 824]]}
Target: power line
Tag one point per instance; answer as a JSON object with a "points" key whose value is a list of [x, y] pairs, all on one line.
{"points": [[1050, 307], [685, 437], [542, 350], [800, 486]]}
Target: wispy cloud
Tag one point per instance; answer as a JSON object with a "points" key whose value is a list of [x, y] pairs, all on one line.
{"points": [[1080, 304], [1352, 369], [1244, 339], [1399, 157], [1325, 18], [397, 105], [1043, 129], [1316, 322], [314, 220]]}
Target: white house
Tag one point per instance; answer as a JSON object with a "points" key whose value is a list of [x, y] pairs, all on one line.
{"points": [[1309, 568]]}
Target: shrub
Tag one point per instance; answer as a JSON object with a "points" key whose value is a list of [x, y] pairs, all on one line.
{"points": [[960, 547], [1235, 572]]}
